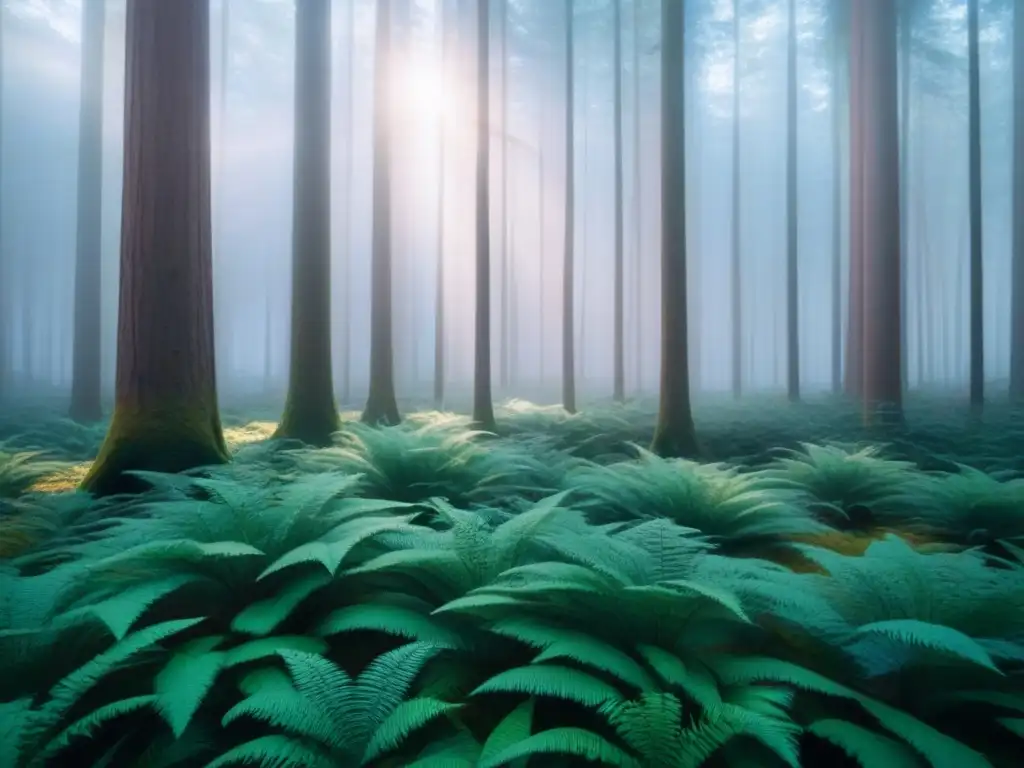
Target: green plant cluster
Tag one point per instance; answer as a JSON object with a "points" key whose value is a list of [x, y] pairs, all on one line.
{"points": [[428, 596]]}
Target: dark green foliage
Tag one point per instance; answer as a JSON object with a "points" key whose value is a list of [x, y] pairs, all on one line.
{"points": [[427, 596]]}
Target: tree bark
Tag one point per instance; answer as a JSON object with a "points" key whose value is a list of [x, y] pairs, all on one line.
{"points": [[837, 224], [439, 346], [483, 406], [6, 318], [346, 276], [310, 412], [619, 352], [854, 368], [674, 434], [974, 168], [792, 206], [905, 41], [503, 311], [165, 409], [1017, 269], [735, 272], [568, 276], [875, 120], [86, 368], [638, 230], [222, 317], [381, 404]]}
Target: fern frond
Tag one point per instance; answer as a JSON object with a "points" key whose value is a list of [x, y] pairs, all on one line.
{"points": [[693, 680], [183, 683], [870, 749], [935, 637], [571, 742], [515, 727], [391, 620], [265, 647], [274, 752], [552, 681], [408, 717], [264, 616], [89, 724]]}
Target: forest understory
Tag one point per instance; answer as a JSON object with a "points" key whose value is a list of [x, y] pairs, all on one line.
{"points": [[425, 595]]}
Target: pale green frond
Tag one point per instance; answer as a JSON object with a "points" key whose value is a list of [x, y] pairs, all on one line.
{"points": [[652, 726], [121, 610], [553, 681], [183, 683], [693, 679], [264, 647], [291, 711], [391, 620], [571, 742], [515, 727], [264, 616], [934, 637], [408, 717], [274, 752], [870, 749]]}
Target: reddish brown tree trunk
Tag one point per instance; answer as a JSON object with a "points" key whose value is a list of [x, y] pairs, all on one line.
{"points": [[165, 409], [310, 413], [85, 376]]}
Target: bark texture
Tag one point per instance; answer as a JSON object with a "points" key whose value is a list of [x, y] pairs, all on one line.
{"points": [[86, 366], [977, 336], [675, 434], [165, 410], [381, 404], [568, 274]]}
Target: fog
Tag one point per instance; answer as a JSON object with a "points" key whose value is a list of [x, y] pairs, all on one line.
{"points": [[252, 129]]}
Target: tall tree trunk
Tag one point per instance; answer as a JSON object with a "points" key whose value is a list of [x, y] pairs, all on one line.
{"points": [[854, 368], [542, 230], [837, 197], [905, 41], [976, 284], [381, 404], [483, 406], [638, 230], [346, 264], [165, 409], [1017, 273], [6, 319], [85, 381], [310, 413], [568, 276], [446, 27], [504, 268], [619, 362], [792, 207], [736, 272], [876, 121], [222, 316], [674, 434]]}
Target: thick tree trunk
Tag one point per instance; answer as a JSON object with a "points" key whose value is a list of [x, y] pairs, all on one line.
{"points": [[483, 406], [854, 368], [310, 413], [674, 434], [792, 206], [381, 405], [85, 377], [875, 120], [165, 409], [619, 362], [568, 276], [735, 271], [1017, 270], [977, 277]]}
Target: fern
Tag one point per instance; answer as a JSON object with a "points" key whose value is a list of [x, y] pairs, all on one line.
{"points": [[869, 749], [553, 681]]}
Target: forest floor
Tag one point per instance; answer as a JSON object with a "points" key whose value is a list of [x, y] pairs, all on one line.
{"points": [[812, 593]]}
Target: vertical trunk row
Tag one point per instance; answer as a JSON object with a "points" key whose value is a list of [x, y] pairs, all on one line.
{"points": [[735, 272], [568, 277], [1017, 269], [638, 230], [974, 169], [853, 370], [674, 434], [444, 27], [86, 366], [483, 407], [792, 204], [165, 411], [503, 139], [837, 224], [6, 320], [905, 22], [381, 404], [619, 363], [345, 342]]}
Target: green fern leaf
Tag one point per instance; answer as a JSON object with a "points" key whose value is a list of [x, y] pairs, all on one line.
{"points": [[515, 727], [551, 680], [870, 749], [287, 709], [184, 682], [274, 752], [1013, 724], [122, 610], [263, 617], [89, 724], [13, 716], [695, 681], [939, 749], [458, 751], [271, 646], [184, 550], [935, 637], [575, 742], [720, 597], [478, 603], [391, 620], [265, 678], [405, 719], [326, 688]]}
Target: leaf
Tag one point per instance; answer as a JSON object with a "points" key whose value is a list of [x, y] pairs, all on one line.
{"points": [[271, 646], [391, 620], [575, 742], [405, 719], [274, 752], [514, 728], [122, 610], [185, 550], [186, 679], [553, 681], [263, 617], [870, 749], [1013, 724], [935, 637], [88, 725], [697, 683]]}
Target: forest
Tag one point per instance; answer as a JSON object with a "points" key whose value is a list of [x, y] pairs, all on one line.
{"points": [[453, 383]]}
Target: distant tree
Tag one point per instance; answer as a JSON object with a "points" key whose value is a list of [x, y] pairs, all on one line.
{"points": [[5, 317], [792, 205], [310, 412], [568, 274], [619, 352], [638, 206], [483, 407], [674, 434], [165, 409], [345, 351], [836, 107], [505, 266], [875, 207], [86, 367], [222, 337], [1017, 280], [977, 334], [735, 270], [446, 34], [381, 404]]}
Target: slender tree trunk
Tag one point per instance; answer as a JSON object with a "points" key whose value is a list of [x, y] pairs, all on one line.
{"points": [[638, 230], [905, 40], [439, 346], [542, 230], [503, 311], [165, 410], [483, 406], [837, 223], [736, 272], [619, 362], [674, 434], [876, 121], [568, 277], [85, 382], [346, 264], [381, 404], [310, 413], [977, 276], [221, 314], [5, 304], [1017, 270], [792, 208], [854, 368]]}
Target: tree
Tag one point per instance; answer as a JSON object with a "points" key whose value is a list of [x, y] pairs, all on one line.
{"points": [[222, 337], [483, 407], [619, 362], [638, 206], [381, 404], [837, 196], [1017, 277], [86, 367], [345, 353], [446, 30], [674, 434], [568, 276], [165, 408], [503, 311], [974, 169], [5, 317], [735, 271], [310, 413], [875, 206], [792, 203]]}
